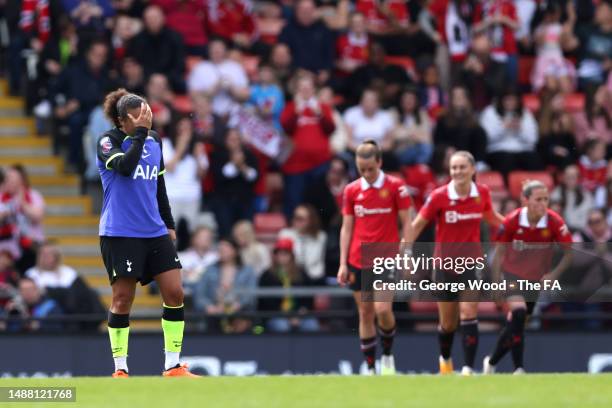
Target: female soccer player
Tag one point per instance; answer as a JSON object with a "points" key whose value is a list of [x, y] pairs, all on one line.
{"points": [[136, 227], [457, 208], [534, 222], [371, 206]]}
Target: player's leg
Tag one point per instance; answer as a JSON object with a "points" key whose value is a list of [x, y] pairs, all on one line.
{"points": [[468, 313], [448, 314], [367, 330], [518, 315], [515, 325], [386, 329], [123, 291]]}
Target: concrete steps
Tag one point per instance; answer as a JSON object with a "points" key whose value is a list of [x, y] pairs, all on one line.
{"points": [[67, 205], [35, 165], [27, 146], [11, 107], [17, 126]]}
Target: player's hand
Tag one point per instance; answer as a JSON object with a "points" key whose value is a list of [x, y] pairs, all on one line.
{"points": [[343, 275], [172, 234], [547, 277], [145, 117]]}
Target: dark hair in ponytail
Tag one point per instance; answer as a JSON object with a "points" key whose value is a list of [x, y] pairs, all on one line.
{"points": [[117, 103]]}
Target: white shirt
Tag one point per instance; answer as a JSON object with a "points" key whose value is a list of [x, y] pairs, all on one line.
{"points": [[205, 76], [364, 127], [501, 139], [62, 278], [309, 251], [182, 184], [194, 264]]}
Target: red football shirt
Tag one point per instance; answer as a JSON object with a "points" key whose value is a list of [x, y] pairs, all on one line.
{"points": [[523, 260], [502, 36], [375, 208], [457, 219], [349, 47], [369, 8]]}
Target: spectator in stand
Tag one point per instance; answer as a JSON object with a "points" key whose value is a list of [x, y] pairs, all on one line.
{"points": [[387, 79], [595, 47], [431, 94], [512, 133], [124, 29], [335, 13], [269, 21], [339, 138], [267, 96], [557, 144], [132, 76], [188, 18], [32, 303], [208, 126], [234, 171], [223, 79], [367, 121], [23, 216], [498, 19], [252, 253], [593, 165], [484, 76], [326, 193], [201, 255], [63, 284], [80, 88], [89, 17], [412, 134], [131, 8], [159, 49], [223, 289], [186, 163], [352, 47], [526, 10], [282, 63], [595, 121], [603, 199], [458, 127], [159, 98], [9, 277], [453, 19], [508, 205], [308, 123], [326, 196], [389, 21], [574, 200], [308, 241], [552, 38], [285, 273], [310, 41], [233, 20], [56, 55]]}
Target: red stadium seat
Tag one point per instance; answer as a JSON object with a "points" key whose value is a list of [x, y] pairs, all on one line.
{"points": [[495, 181], [531, 102], [190, 62], [525, 66], [574, 102], [405, 62], [269, 222], [182, 103], [516, 179]]}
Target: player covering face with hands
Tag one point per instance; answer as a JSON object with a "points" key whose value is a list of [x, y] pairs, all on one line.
{"points": [[371, 207], [136, 227]]}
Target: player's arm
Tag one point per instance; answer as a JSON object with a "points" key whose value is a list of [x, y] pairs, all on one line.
{"points": [[404, 216], [162, 196], [493, 218], [346, 232], [564, 238], [109, 149], [417, 226]]}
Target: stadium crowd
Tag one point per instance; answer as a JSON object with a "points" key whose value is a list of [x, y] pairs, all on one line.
{"points": [[261, 105]]}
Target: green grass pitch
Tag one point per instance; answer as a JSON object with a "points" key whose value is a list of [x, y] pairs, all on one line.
{"points": [[532, 390]]}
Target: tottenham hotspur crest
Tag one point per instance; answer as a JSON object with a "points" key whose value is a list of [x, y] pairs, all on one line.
{"points": [[129, 265]]}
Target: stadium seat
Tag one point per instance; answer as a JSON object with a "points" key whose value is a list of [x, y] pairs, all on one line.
{"points": [[531, 102], [190, 62], [495, 181], [573, 102], [516, 179], [405, 62], [267, 226], [182, 103], [525, 66]]}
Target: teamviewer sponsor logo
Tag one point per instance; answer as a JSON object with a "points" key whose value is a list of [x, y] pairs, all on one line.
{"points": [[361, 211], [452, 217]]}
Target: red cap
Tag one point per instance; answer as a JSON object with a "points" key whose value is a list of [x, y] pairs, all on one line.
{"points": [[285, 244]]}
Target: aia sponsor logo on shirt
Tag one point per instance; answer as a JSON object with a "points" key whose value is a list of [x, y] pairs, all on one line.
{"points": [[106, 144], [452, 217], [361, 211]]}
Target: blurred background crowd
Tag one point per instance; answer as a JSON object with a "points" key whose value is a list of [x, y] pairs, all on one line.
{"points": [[261, 105]]}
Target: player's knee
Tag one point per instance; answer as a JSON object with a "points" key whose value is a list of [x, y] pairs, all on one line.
{"points": [[122, 303], [448, 326], [173, 297], [367, 312]]}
